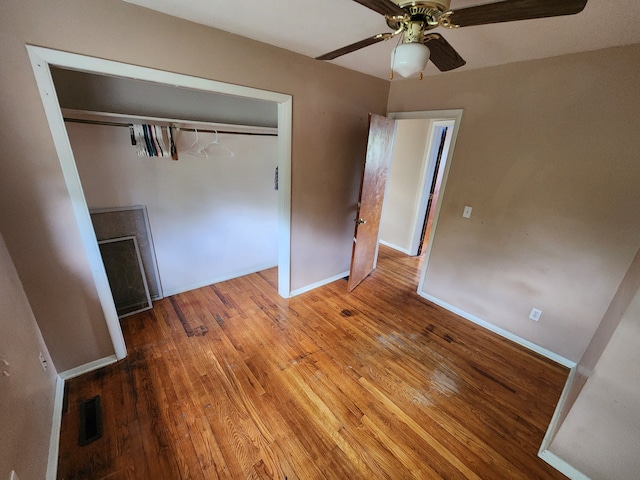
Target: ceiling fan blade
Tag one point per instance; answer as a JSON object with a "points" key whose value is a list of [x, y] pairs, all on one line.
{"points": [[355, 46], [383, 7], [512, 10], [443, 55]]}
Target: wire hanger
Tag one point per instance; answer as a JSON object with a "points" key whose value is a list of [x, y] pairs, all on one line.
{"points": [[227, 151], [196, 148]]}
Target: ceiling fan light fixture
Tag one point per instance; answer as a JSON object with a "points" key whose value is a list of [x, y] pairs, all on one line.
{"points": [[408, 59]]}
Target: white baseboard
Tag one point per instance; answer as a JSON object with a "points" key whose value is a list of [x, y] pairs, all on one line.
{"points": [[562, 466], [395, 247], [223, 278], [54, 440], [308, 288], [503, 333], [88, 367]]}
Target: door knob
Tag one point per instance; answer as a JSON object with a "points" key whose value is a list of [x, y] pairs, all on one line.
{"points": [[360, 221]]}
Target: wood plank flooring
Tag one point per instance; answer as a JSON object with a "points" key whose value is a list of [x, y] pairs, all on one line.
{"points": [[231, 381]]}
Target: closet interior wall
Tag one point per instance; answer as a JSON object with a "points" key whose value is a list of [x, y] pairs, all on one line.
{"points": [[213, 215], [212, 218]]}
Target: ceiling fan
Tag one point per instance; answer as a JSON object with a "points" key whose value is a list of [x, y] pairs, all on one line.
{"points": [[415, 19]]}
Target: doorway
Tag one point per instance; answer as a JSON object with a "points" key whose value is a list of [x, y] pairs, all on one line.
{"points": [[42, 59], [410, 219]]}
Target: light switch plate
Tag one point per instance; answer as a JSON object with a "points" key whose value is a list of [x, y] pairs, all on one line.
{"points": [[467, 212]]}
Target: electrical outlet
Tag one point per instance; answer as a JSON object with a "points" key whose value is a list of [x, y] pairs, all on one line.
{"points": [[466, 213], [43, 362], [535, 314]]}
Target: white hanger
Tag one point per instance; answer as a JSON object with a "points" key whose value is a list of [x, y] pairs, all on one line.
{"points": [[229, 152], [196, 148]]}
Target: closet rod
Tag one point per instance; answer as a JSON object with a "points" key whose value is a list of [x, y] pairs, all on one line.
{"points": [[200, 130]]}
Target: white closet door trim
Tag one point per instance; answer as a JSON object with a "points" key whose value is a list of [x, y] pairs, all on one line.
{"points": [[87, 64], [41, 60]]}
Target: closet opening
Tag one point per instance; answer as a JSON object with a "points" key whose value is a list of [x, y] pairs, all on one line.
{"points": [[207, 162]]}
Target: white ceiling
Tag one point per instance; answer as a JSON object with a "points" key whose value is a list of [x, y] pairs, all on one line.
{"points": [[315, 27]]}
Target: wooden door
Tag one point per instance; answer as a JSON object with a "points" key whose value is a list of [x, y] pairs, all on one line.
{"points": [[372, 187]]}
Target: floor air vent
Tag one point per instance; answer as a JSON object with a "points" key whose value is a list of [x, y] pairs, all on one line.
{"points": [[90, 420]]}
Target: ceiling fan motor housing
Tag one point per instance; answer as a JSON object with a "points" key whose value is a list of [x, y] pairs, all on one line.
{"points": [[413, 32], [421, 16], [443, 5]]}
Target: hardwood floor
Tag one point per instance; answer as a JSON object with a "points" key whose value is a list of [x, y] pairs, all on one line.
{"points": [[231, 381]]}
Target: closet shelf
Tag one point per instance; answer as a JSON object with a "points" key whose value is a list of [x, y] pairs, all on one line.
{"points": [[117, 119]]}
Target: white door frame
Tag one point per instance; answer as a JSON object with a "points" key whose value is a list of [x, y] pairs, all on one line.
{"points": [[41, 61], [436, 116]]}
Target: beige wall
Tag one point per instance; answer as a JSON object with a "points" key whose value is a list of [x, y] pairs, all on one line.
{"points": [[600, 435], [330, 107], [547, 156], [405, 183], [27, 392]]}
